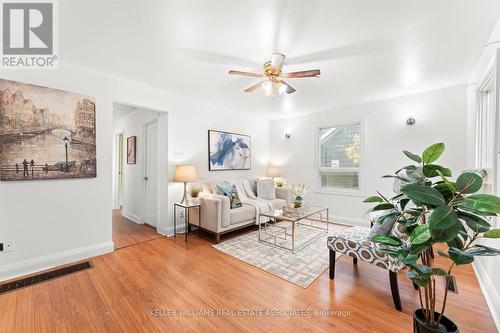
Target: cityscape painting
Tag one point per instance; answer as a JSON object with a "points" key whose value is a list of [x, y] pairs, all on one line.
{"points": [[45, 133], [228, 151]]}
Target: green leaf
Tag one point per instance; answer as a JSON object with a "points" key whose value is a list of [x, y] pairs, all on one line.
{"points": [[444, 224], [423, 194], [446, 191], [460, 257], [483, 203], [383, 206], [493, 233], [434, 170], [388, 240], [420, 280], [373, 199], [408, 168], [456, 242], [469, 182], [420, 234], [412, 156], [443, 254], [439, 271], [474, 222], [432, 153], [481, 250]]}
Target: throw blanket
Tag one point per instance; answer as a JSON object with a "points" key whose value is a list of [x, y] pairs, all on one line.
{"points": [[247, 196]]}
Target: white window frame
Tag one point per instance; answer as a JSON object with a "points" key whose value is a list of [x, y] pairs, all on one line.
{"points": [[359, 169]]}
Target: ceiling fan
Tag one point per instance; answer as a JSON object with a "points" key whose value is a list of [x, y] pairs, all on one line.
{"points": [[274, 76]]}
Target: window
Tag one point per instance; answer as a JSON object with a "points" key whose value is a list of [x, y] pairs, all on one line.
{"points": [[339, 157]]}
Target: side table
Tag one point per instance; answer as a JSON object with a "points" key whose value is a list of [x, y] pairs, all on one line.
{"points": [[187, 206]]}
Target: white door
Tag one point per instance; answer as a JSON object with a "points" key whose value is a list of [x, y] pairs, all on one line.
{"points": [[151, 173]]}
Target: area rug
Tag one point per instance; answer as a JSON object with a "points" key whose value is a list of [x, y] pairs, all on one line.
{"points": [[300, 268]]}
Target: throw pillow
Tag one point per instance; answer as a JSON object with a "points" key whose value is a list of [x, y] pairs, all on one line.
{"points": [[383, 228], [265, 189], [230, 191]]}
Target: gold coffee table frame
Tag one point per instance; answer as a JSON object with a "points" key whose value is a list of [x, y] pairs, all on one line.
{"points": [[278, 215]]}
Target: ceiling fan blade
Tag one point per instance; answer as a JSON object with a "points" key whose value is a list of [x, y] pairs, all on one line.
{"points": [[254, 87], [289, 88], [246, 73], [277, 60], [309, 73]]}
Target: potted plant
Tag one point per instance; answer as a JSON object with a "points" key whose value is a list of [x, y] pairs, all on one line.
{"points": [[298, 192], [434, 210], [194, 190]]}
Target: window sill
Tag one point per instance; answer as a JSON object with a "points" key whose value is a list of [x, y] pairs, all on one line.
{"points": [[335, 191]]}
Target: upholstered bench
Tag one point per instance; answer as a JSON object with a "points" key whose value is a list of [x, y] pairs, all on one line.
{"points": [[355, 242]]}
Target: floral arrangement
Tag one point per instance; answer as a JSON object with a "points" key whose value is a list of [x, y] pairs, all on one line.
{"points": [[298, 191]]}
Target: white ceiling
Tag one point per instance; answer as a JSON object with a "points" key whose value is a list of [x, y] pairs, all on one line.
{"points": [[366, 50]]}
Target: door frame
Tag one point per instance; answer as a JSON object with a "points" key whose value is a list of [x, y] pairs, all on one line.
{"points": [[145, 170], [118, 194]]}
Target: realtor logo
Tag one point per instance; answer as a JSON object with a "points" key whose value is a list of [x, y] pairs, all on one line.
{"points": [[28, 34]]}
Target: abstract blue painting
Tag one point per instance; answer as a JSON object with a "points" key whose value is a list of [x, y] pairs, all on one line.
{"points": [[228, 151]]}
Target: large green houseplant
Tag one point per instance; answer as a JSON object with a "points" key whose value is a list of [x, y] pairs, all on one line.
{"points": [[435, 210]]}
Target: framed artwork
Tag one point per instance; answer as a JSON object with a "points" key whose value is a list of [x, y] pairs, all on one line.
{"points": [[45, 133], [131, 149], [228, 151]]}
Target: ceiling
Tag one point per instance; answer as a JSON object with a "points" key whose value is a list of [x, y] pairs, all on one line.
{"points": [[366, 50]]}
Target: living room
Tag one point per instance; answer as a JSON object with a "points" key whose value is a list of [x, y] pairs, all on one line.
{"points": [[285, 116]]}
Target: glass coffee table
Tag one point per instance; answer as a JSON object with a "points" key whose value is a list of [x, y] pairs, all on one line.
{"points": [[309, 216]]}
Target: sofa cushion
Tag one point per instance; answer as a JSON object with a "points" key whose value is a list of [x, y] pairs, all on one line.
{"points": [[211, 185], [241, 214], [278, 203], [384, 228], [230, 191], [265, 189]]}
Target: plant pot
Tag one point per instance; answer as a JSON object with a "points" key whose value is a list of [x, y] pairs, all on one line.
{"points": [[420, 326]]}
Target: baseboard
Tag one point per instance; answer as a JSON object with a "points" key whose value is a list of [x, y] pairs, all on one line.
{"points": [[169, 231], [29, 266], [132, 217], [489, 292]]}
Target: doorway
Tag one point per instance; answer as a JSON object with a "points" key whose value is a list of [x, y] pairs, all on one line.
{"points": [[135, 182]]}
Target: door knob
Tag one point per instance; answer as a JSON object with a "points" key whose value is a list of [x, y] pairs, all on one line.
{"points": [[146, 178]]}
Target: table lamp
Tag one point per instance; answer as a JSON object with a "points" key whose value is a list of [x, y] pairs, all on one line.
{"points": [[185, 174]]}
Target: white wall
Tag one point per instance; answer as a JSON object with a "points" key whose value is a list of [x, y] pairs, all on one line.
{"points": [[487, 268], [440, 116], [132, 124], [58, 221]]}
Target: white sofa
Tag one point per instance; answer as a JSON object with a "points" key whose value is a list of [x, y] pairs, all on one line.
{"points": [[218, 218]]}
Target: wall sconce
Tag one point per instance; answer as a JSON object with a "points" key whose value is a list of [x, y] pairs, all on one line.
{"points": [[287, 136], [410, 120]]}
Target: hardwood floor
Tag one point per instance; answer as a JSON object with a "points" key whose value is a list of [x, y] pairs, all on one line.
{"points": [[125, 288], [126, 232]]}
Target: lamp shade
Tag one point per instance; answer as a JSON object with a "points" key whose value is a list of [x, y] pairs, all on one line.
{"points": [[273, 171], [185, 173]]}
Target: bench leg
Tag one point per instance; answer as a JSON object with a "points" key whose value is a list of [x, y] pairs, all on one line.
{"points": [[217, 238], [332, 264], [354, 260], [393, 277]]}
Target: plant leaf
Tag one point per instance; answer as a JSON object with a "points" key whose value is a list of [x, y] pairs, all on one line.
{"points": [[431, 170], [474, 222], [432, 153], [460, 257], [412, 156], [420, 234], [470, 181], [481, 250], [374, 199], [389, 240], [443, 224], [493, 233], [483, 203], [418, 279], [423, 194], [383, 206]]}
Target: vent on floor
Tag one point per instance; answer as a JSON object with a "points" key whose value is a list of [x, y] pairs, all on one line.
{"points": [[45, 276]]}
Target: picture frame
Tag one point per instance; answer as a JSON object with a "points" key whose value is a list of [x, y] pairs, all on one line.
{"points": [[132, 150], [229, 151]]}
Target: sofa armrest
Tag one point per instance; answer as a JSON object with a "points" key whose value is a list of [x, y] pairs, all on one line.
{"points": [[214, 211], [285, 194]]}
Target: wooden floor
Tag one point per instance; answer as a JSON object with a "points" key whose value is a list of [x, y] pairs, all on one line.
{"points": [[144, 288], [126, 232]]}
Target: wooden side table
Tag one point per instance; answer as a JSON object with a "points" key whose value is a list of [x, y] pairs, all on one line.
{"points": [[187, 206]]}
